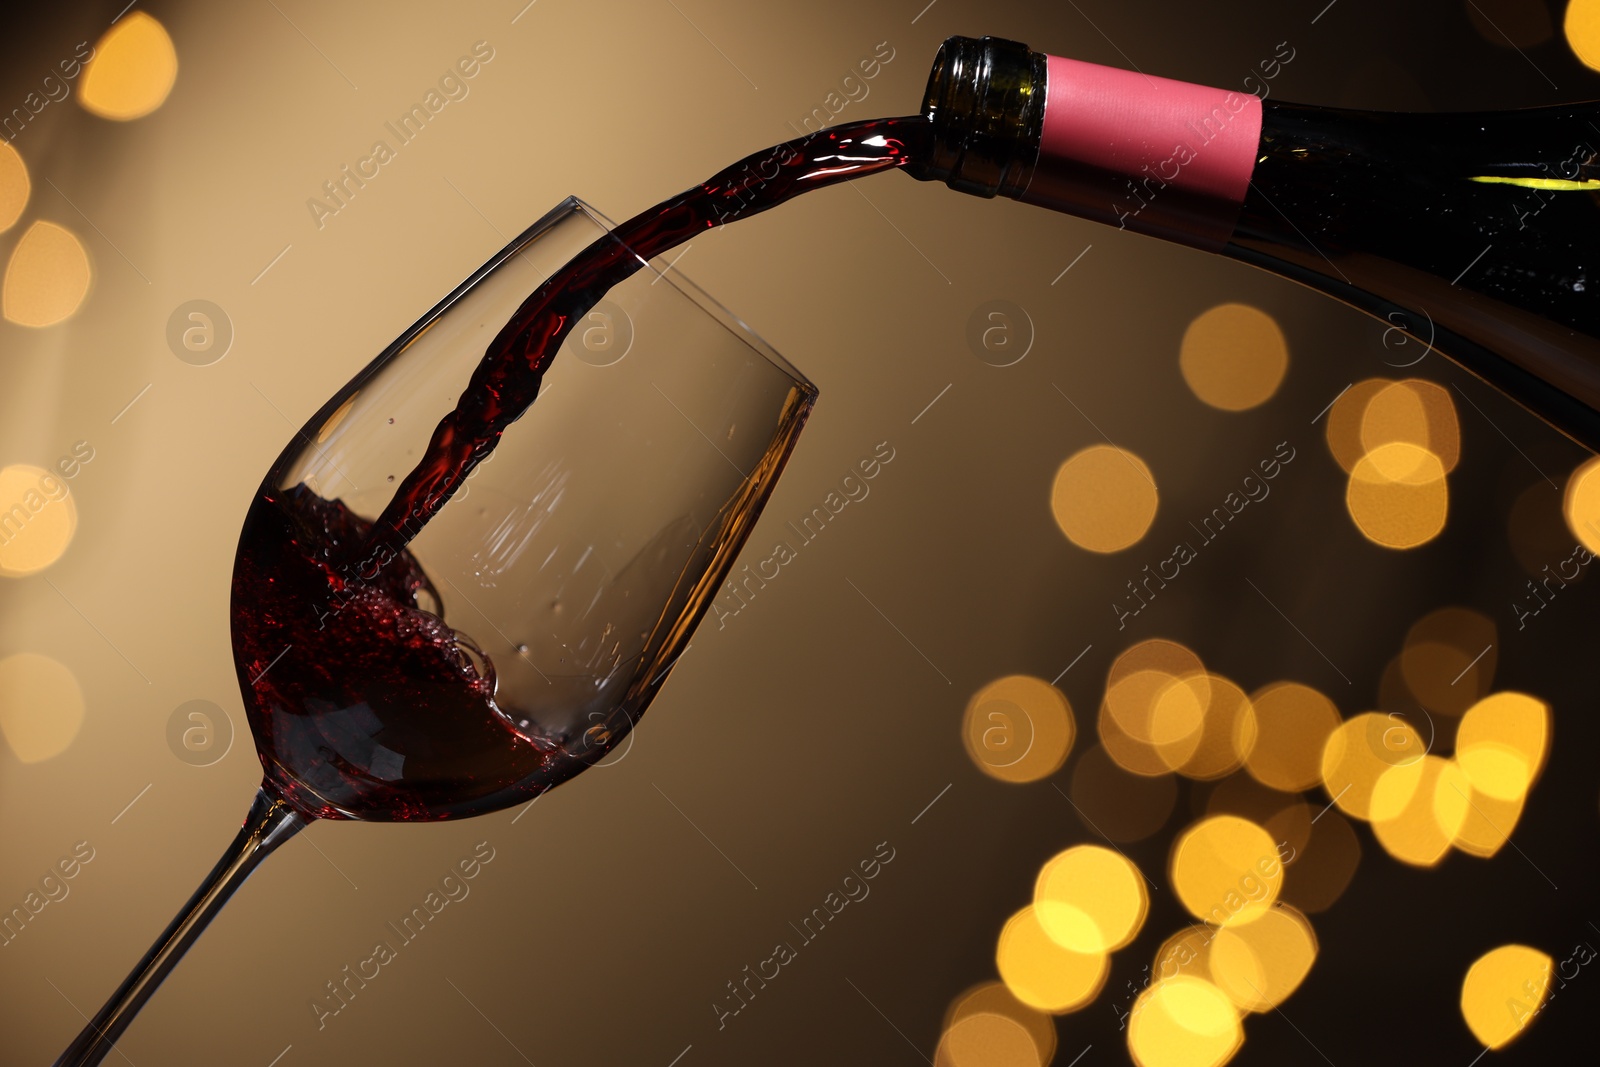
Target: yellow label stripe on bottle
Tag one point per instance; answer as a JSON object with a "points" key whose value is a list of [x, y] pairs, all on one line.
{"points": [[1559, 184]]}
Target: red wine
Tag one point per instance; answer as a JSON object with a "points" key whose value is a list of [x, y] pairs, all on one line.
{"points": [[364, 703]]}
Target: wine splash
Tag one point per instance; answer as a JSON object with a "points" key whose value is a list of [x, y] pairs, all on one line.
{"points": [[365, 703]]}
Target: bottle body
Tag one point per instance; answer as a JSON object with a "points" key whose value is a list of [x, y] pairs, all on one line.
{"points": [[1476, 234]]}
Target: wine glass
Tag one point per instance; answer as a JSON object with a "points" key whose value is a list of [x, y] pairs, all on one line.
{"points": [[524, 629]]}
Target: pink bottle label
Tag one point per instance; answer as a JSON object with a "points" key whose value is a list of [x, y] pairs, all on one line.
{"points": [[1161, 157]]}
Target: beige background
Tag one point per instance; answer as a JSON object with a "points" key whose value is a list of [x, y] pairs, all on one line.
{"points": [[808, 730]]}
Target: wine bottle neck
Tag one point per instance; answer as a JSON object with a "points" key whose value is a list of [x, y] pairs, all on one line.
{"points": [[986, 102], [1149, 154]]}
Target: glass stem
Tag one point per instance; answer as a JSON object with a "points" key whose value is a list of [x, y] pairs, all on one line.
{"points": [[270, 823]]}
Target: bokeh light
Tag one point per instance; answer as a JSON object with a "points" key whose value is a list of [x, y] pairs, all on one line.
{"points": [[1104, 498], [1227, 732], [1186, 952], [41, 706], [1090, 899], [1042, 974], [1418, 809], [1511, 23], [1344, 420], [1018, 729], [1449, 659], [1359, 752], [1261, 963], [1503, 990], [1155, 654], [1415, 412], [1155, 706], [1159, 714], [1398, 496], [47, 277], [1184, 1022], [1293, 722], [1582, 29], [133, 69], [1226, 870], [1234, 357], [1124, 807], [1488, 825], [1136, 757], [1581, 503], [37, 519], [986, 1039], [14, 186], [1502, 743], [993, 998]]}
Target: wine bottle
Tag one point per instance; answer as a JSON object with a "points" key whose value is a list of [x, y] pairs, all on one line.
{"points": [[1477, 234]]}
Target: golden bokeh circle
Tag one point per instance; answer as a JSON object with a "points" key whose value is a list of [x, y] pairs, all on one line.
{"points": [[1581, 502], [1134, 756], [1397, 495], [1155, 705], [38, 517], [1488, 825], [1184, 1022], [1260, 964], [1413, 411], [1186, 952], [1582, 29], [1502, 744], [1090, 899], [41, 706], [14, 186], [1502, 991], [994, 998], [1234, 357], [1358, 753], [1418, 809], [1155, 654], [1293, 722], [1227, 732], [132, 70], [1042, 974], [987, 1039], [1344, 419], [1018, 729], [1104, 498], [46, 278], [1226, 870], [1157, 709]]}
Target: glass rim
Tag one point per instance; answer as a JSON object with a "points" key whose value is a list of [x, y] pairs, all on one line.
{"points": [[675, 277], [573, 206]]}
